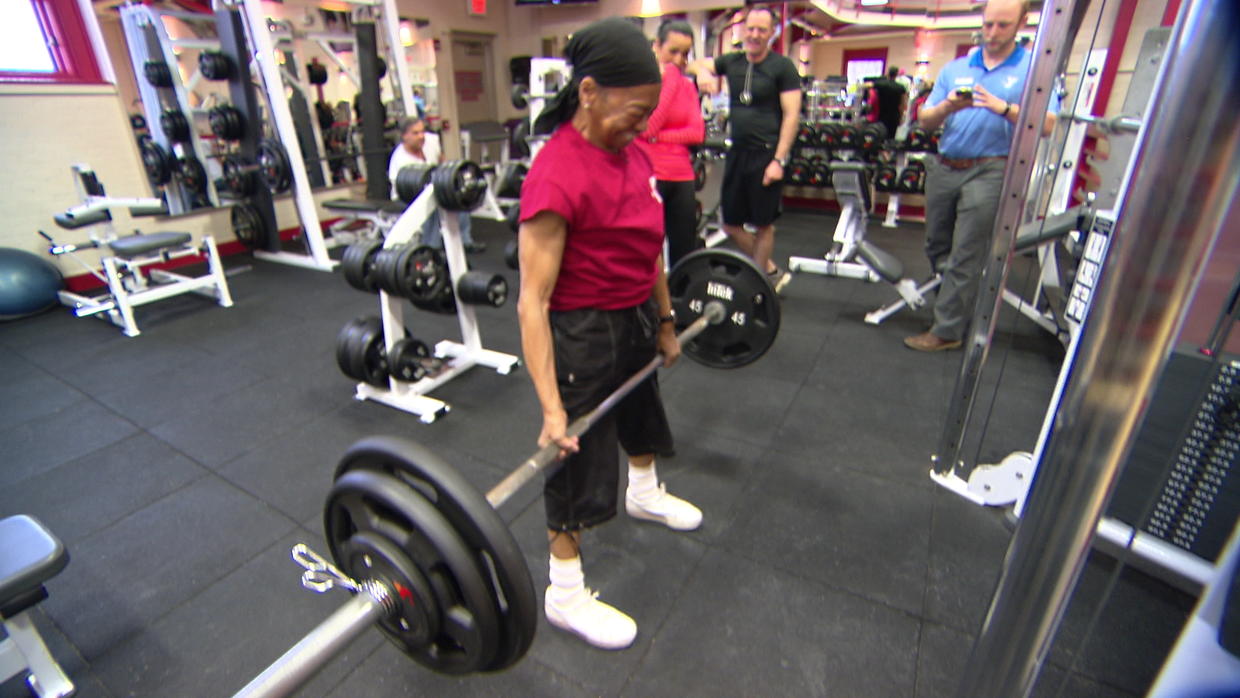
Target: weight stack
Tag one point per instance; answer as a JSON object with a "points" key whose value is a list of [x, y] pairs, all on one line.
{"points": [[1198, 501]]}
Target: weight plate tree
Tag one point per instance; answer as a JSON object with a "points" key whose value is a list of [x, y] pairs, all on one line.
{"points": [[428, 557]]}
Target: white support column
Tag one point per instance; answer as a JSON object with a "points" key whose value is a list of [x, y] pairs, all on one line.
{"points": [[398, 64]]}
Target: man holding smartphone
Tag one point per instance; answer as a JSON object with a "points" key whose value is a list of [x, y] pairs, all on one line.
{"points": [[976, 99]]}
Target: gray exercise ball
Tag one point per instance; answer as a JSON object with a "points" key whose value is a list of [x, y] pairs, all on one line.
{"points": [[28, 283]]}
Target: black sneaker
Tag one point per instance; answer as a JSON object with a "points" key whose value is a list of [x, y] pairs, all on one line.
{"points": [[475, 247]]}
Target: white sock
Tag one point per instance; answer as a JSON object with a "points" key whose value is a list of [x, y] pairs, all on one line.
{"points": [[567, 578], [642, 481]]}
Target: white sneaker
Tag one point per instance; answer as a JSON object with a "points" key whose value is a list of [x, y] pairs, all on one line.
{"points": [[667, 509], [592, 620]]}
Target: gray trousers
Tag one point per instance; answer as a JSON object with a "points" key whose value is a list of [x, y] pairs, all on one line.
{"points": [[960, 216]]}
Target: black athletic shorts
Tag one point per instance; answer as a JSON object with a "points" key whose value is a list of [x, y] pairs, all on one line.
{"points": [[744, 198], [596, 351]]}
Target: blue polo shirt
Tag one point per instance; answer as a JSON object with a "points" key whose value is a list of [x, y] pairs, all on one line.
{"points": [[976, 132]]}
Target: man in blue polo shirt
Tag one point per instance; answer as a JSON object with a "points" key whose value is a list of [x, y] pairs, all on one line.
{"points": [[976, 99]]}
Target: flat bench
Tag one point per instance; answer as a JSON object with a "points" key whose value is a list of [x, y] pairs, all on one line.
{"points": [[29, 556]]}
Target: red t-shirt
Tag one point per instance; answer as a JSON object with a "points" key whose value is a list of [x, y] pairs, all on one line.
{"points": [[614, 214], [675, 124]]}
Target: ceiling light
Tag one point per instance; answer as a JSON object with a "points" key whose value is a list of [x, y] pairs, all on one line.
{"points": [[872, 3]]}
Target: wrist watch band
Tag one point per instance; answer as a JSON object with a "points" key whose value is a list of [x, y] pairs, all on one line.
{"points": [[1007, 108], [670, 317]]}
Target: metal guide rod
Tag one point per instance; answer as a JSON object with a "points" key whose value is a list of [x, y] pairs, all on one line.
{"points": [[1056, 35], [1173, 204], [316, 649], [712, 314]]}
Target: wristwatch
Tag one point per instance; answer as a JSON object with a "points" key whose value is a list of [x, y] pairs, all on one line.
{"points": [[783, 162], [670, 317]]}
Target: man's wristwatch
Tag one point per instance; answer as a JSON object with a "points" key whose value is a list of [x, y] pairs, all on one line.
{"points": [[783, 162], [1007, 107], [670, 317]]}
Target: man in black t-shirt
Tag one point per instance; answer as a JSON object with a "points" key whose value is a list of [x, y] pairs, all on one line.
{"points": [[764, 91], [891, 100]]}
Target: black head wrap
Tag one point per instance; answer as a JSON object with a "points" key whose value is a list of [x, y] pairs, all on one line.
{"points": [[613, 52]]}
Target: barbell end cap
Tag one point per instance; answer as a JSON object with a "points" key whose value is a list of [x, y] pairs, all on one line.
{"points": [[715, 312]]}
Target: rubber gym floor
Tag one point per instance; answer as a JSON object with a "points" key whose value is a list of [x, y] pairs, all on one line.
{"points": [[179, 468]]}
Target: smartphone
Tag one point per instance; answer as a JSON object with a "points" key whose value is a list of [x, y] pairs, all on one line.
{"points": [[965, 92]]}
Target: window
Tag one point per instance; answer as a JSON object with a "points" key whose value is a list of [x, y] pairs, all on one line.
{"points": [[860, 64], [45, 41]]}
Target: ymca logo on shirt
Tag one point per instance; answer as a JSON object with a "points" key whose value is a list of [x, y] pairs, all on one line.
{"points": [[654, 190], [1009, 82]]}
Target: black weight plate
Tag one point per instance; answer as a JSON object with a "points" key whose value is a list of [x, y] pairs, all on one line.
{"points": [[227, 122], [407, 359], [273, 165], [157, 73], [459, 185], [239, 176], [699, 175], [368, 353], [751, 321], [421, 274], [214, 65], [366, 500], [191, 174], [157, 161], [383, 271], [411, 180], [511, 254], [481, 288], [518, 142], [368, 555], [476, 523], [513, 218], [343, 337], [175, 125], [248, 225], [357, 263], [509, 185]]}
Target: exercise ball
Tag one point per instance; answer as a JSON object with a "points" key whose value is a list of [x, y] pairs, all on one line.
{"points": [[28, 283]]}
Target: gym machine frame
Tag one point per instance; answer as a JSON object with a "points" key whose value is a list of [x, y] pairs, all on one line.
{"points": [[147, 39], [460, 356], [1008, 482], [1167, 224]]}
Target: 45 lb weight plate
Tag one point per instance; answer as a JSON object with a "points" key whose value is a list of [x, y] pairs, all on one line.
{"points": [[751, 323]]}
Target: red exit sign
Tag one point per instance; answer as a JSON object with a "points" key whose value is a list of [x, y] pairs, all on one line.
{"points": [[477, 7]]}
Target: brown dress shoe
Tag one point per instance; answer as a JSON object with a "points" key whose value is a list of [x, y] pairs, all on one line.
{"points": [[928, 341]]}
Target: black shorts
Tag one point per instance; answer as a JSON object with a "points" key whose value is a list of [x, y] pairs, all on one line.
{"points": [[596, 351], [744, 198]]}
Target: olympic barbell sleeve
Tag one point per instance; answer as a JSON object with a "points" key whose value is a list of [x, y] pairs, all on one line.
{"points": [[288, 673], [712, 314]]}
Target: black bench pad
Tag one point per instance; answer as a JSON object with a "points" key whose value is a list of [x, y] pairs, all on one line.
{"points": [[132, 246], [365, 206], [29, 556]]}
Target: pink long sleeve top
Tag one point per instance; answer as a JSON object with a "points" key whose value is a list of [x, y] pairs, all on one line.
{"points": [[675, 124]]}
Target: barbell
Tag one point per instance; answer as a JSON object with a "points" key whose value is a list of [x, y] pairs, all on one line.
{"points": [[427, 556]]}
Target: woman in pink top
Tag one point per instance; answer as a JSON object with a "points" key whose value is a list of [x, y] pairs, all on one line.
{"points": [[675, 124]]}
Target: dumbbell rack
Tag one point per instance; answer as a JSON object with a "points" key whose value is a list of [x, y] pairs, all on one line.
{"points": [[458, 356]]}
